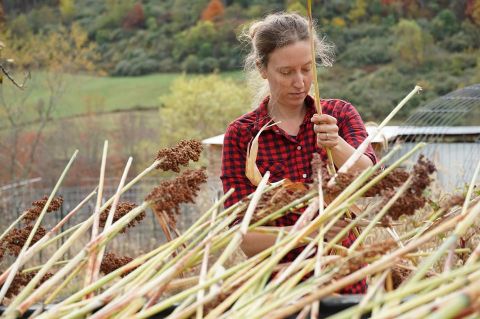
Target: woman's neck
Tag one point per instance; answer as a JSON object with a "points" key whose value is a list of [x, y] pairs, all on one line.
{"points": [[290, 118], [279, 112]]}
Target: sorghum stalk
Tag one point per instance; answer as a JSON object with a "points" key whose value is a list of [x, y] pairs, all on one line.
{"points": [[89, 276], [379, 265], [363, 147], [402, 292], [44, 241], [399, 192], [94, 271], [102, 239], [16, 264]]}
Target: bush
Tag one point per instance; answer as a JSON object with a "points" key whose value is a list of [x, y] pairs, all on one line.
{"points": [[209, 65], [200, 106], [137, 63], [19, 26], [191, 64], [458, 42], [444, 24], [367, 51]]}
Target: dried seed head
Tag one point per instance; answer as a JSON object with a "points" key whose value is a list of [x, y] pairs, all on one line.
{"points": [[37, 206], [170, 194], [173, 158], [454, 200], [413, 198], [21, 280], [399, 275], [16, 238], [364, 256], [277, 198], [112, 262], [122, 209]]}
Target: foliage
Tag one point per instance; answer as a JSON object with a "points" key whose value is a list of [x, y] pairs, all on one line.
{"points": [[214, 10], [200, 107], [135, 18], [412, 42], [67, 9]]}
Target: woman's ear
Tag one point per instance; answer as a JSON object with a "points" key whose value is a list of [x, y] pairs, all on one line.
{"points": [[261, 69]]}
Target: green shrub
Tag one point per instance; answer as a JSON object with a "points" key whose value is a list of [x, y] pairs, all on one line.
{"points": [[367, 51]]}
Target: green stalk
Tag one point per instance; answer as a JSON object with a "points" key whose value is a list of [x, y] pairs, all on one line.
{"points": [[64, 283], [470, 189], [102, 239], [380, 215], [240, 234], [379, 265], [318, 106], [404, 292], [17, 262], [461, 228], [89, 275], [432, 295], [140, 260], [44, 242], [13, 224], [27, 290], [162, 280], [92, 274], [451, 308], [363, 147]]}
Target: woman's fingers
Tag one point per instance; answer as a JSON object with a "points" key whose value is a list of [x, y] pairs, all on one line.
{"points": [[327, 130], [323, 119]]}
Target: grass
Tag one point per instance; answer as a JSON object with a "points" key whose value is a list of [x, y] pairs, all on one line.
{"points": [[92, 94]]}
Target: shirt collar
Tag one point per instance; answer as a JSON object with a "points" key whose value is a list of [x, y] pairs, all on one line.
{"points": [[262, 116]]}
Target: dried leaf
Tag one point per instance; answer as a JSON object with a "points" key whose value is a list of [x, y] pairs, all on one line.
{"points": [[251, 170]]}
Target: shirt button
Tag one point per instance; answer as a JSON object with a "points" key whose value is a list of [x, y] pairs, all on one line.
{"points": [[304, 175], [299, 147]]}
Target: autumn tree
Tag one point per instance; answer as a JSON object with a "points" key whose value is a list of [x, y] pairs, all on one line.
{"points": [[200, 107], [473, 11], [57, 54], [412, 42], [214, 10], [135, 18], [67, 9]]}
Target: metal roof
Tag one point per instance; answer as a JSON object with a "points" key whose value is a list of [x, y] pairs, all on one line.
{"points": [[391, 132]]}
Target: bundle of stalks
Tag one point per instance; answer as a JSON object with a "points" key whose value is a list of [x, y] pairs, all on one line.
{"points": [[261, 286]]}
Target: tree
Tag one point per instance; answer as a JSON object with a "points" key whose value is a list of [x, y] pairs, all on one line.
{"points": [[57, 54], [473, 11], [214, 10], [412, 42], [200, 107], [67, 9], [135, 18], [358, 12]]}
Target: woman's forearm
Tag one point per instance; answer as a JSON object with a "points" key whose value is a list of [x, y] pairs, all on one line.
{"points": [[343, 151]]}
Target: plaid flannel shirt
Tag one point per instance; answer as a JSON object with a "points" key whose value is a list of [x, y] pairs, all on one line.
{"points": [[286, 156]]}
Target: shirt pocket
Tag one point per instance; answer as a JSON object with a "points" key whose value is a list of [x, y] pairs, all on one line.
{"points": [[276, 169]]}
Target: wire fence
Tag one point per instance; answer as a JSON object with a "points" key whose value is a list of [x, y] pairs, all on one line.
{"points": [[142, 238]]}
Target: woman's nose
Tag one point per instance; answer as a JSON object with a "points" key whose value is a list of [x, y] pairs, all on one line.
{"points": [[298, 80]]}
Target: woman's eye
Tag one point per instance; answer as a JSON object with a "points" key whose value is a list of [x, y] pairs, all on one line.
{"points": [[307, 70], [285, 72]]}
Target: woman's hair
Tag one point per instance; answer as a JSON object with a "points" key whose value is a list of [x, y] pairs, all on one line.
{"points": [[276, 31]]}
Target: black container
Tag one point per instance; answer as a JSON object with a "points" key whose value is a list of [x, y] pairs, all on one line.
{"points": [[328, 306]]}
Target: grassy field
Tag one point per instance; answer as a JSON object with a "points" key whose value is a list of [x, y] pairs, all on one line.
{"points": [[84, 93]]}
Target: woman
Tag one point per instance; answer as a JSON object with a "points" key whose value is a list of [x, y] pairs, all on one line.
{"points": [[281, 55]]}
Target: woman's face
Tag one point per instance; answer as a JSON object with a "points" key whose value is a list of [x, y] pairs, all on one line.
{"points": [[289, 73]]}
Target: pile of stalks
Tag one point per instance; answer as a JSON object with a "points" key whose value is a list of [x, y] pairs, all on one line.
{"points": [[188, 276]]}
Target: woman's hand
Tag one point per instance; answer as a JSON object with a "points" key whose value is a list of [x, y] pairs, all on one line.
{"points": [[327, 130]]}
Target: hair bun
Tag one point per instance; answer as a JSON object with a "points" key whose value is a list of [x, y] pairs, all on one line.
{"points": [[252, 31]]}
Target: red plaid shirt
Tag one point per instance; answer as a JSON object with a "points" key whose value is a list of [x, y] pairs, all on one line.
{"points": [[286, 156]]}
